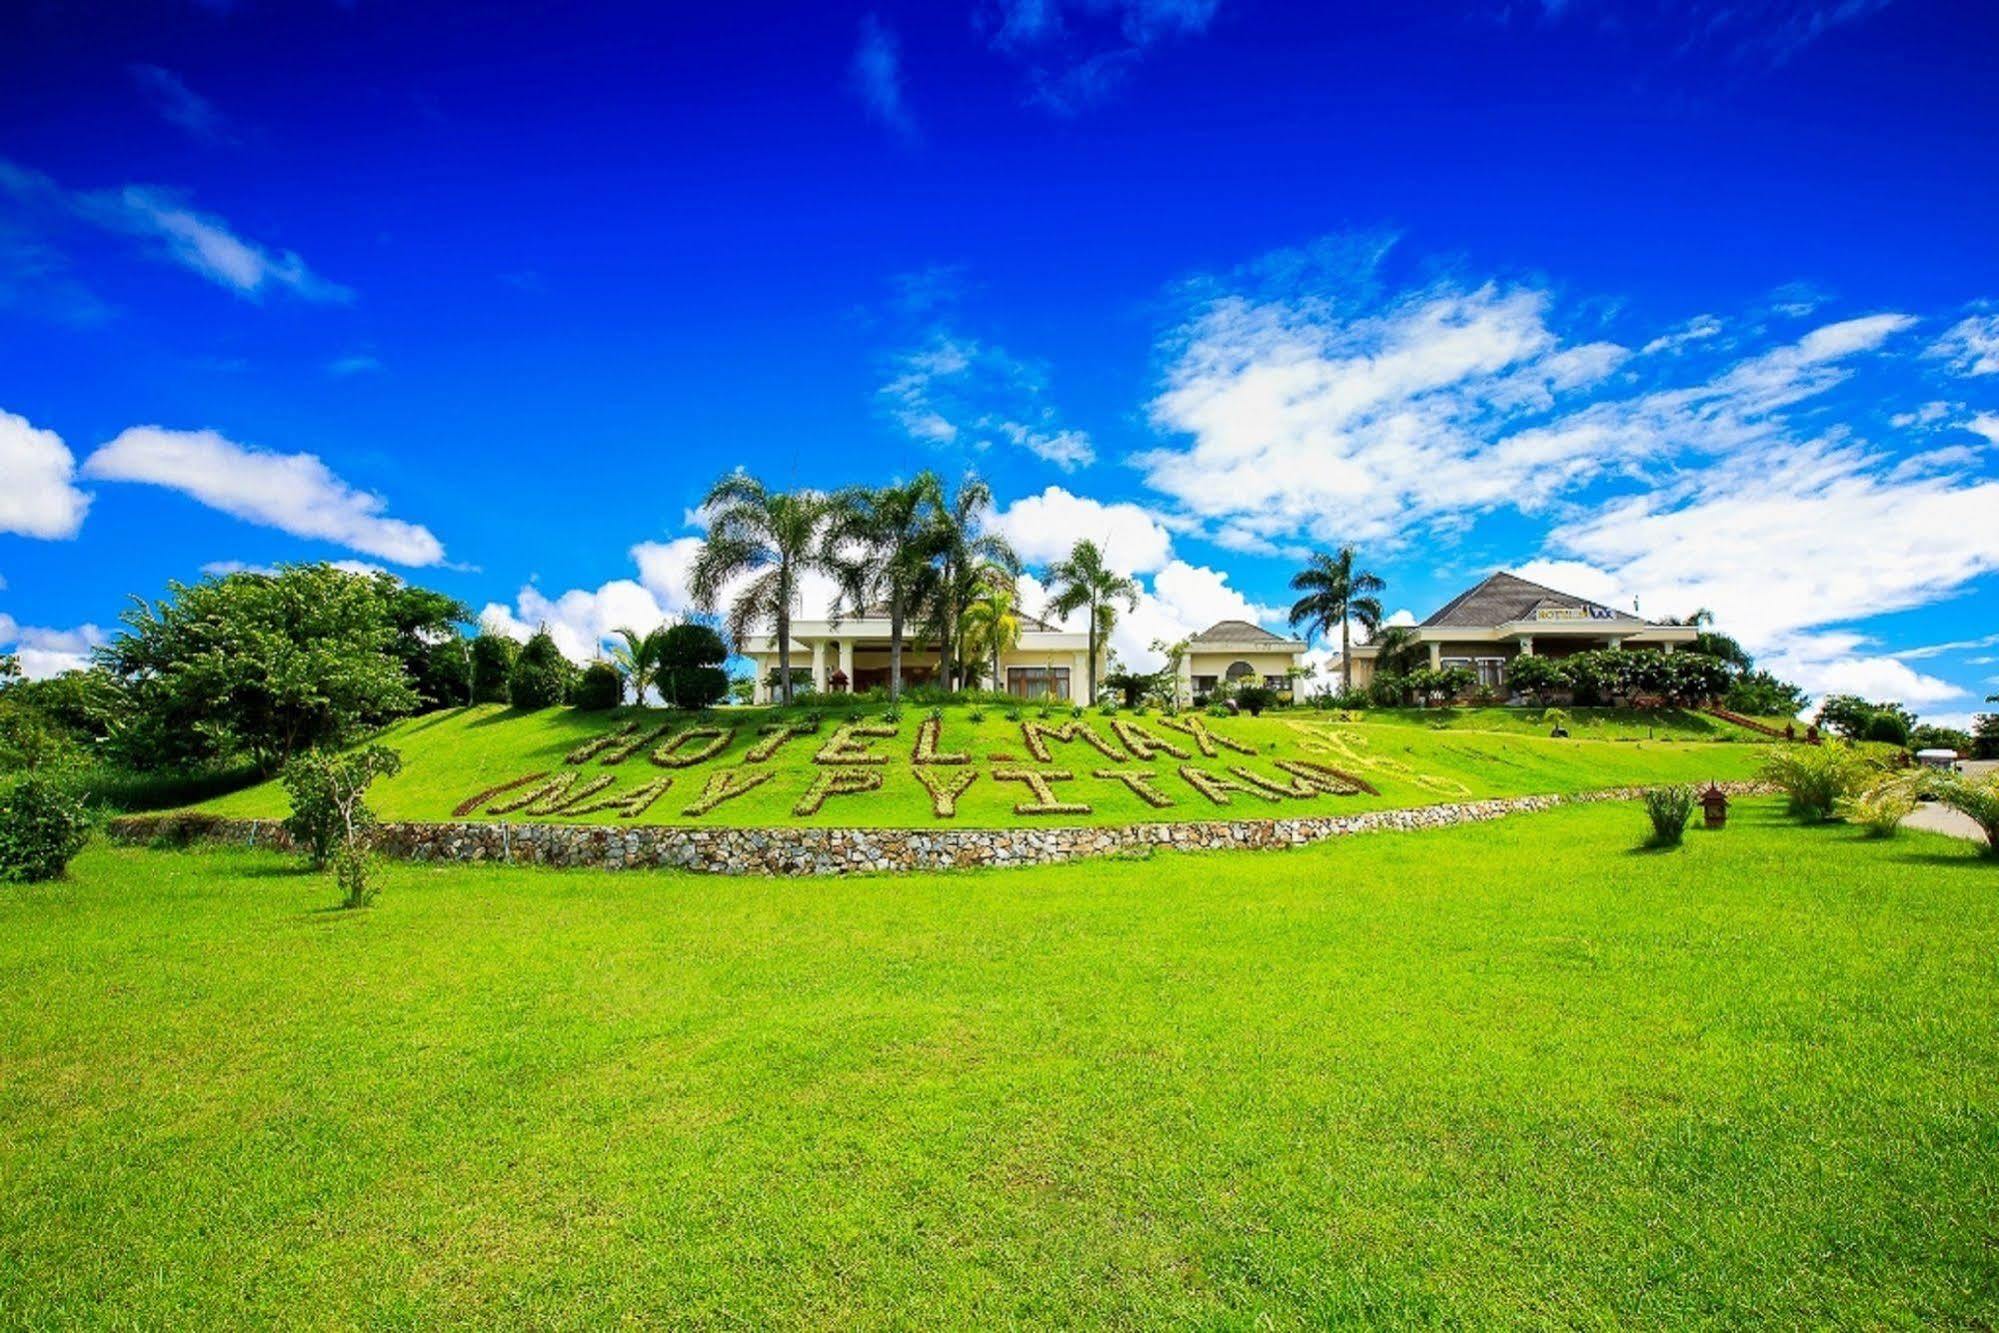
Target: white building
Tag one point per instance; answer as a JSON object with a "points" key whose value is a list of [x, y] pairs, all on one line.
{"points": [[851, 655]]}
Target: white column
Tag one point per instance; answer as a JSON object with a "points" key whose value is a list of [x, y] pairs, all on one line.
{"points": [[1184, 691], [1527, 645], [1436, 657], [1667, 647], [819, 665], [847, 661], [1079, 679]]}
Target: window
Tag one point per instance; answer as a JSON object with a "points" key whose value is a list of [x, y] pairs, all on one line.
{"points": [[1491, 672], [1204, 684], [1277, 682], [1038, 682], [1240, 670]]}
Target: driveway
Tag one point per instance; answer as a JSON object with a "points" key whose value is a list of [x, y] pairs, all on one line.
{"points": [[1942, 819]]}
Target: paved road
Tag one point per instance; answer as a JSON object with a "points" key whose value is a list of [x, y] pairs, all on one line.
{"points": [[1942, 819]]}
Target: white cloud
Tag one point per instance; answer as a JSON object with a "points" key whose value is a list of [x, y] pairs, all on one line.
{"points": [[957, 391], [1971, 345], [1837, 663], [48, 652], [1178, 600], [1043, 528], [38, 499], [1985, 424], [295, 493], [180, 104], [1578, 577], [1697, 329], [877, 75], [578, 620]]}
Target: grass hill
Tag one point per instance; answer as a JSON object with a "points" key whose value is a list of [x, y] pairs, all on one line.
{"points": [[765, 766]]}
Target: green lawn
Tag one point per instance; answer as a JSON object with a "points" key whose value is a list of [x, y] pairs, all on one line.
{"points": [[452, 756], [1517, 1073]]}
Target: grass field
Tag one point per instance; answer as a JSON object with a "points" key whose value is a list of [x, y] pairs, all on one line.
{"points": [[1518, 1073], [452, 756]]}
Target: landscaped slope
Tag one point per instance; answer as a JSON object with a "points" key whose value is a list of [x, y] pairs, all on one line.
{"points": [[733, 769], [1514, 1074]]}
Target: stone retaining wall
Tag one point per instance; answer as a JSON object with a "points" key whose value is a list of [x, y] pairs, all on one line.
{"points": [[844, 851]]}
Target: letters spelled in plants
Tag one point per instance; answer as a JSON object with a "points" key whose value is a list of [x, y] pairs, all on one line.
{"points": [[1217, 788], [928, 734], [1038, 782], [1190, 724], [590, 749], [1304, 783], [674, 753], [553, 789], [1327, 779], [775, 736], [837, 782], [629, 805], [625, 749], [1038, 734], [471, 803], [945, 789], [1140, 781], [1144, 744], [725, 785], [847, 746]]}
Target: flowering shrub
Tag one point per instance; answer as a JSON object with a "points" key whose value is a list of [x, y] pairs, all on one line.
{"points": [[467, 806], [725, 785], [624, 750], [928, 733], [847, 745], [945, 789], [1140, 781], [670, 755], [1038, 780], [1038, 734], [775, 734], [837, 782], [1142, 743], [1217, 788], [590, 749], [629, 805]]}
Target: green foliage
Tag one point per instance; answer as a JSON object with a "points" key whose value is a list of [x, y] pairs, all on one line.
{"points": [[1131, 686], [1760, 694], [1253, 699], [1929, 737], [43, 823], [1985, 736], [1387, 690], [1887, 729], [599, 687], [1336, 596], [1816, 778], [689, 669], [1853, 717], [493, 655], [1536, 676], [1881, 806], [327, 791], [1081, 581], [1668, 808], [1556, 721], [262, 664], [1975, 798], [427, 641], [541, 675]]}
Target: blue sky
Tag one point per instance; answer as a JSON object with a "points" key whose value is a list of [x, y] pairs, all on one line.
{"points": [[1689, 303]]}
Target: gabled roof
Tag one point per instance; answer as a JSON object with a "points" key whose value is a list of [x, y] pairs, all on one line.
{"points": [[1507, 597], [1238, 631]]}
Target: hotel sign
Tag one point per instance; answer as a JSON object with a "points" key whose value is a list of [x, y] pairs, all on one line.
{"points": [[1574, 613]]}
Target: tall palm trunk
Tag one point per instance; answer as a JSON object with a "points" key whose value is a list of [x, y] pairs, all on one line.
{"points": [[1346, 659], [946, 665], [1091, 697], [996, 674], [894, 649], [784, 651]]}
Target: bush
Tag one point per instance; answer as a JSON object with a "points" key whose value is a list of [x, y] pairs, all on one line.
{"points": [[1760, 694], [1537, 677], [43, 823], [541, 674], [690, 667], [327, 791], [1887, 728], [599, 687], [1929, 737], [1816, 778], [492, 663], [1669, 808], [1253, 699], [1880, 808], [1977, 798], [1387, 691], [1556, 721]]}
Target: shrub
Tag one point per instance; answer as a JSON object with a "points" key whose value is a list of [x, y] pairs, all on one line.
{"points": [[1930, 737], [329, 813], [690, 666], [1887, 728], [1977, 798], [1815, 778], [1537, 677], [1556, 721], [599, 687], [1668, 809], [1880, 808], [1387, 691], [1760, 694], [492, 662], [541, 674], [1253, 699], [43, 823]]}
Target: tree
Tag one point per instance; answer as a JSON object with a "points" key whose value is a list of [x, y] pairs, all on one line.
{"points": [[690, 666], [427, 640], [330, 819], [1082, 582], [598, 688], [1335, 593], [492, 655], [1853, 717], [883, 545], [1131, 686], [1760, 694], [636, 657], [1710, 642], [963, 551], [43, 823], [772, 536], [991, 620], [1397, 651], [265, 664], [542, 675]]}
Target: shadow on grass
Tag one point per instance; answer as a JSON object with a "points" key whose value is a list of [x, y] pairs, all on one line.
{"points": [[1971, 856]]}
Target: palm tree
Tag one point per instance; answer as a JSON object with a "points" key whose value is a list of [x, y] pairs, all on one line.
{"points": [[1335, 594], [774, 535], [964, 551], [882, 547], [991, 617], [1083, 582], [637, 658], [1397, 651]]}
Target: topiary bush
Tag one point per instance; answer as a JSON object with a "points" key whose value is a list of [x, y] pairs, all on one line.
{"points": [[1253, 699], [492, 662], [1887, 728], [541, 676], [690, 667], [598, 688], [43, 823]]}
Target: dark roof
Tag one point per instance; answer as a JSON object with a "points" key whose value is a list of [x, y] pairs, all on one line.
{"points": [[1505, 597], [1237, 631]]}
